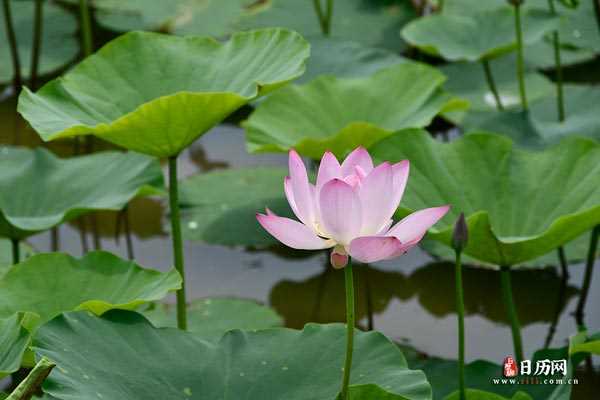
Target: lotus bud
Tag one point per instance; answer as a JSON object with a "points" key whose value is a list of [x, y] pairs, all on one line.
{"points": [[338, 257], [460, 236]]}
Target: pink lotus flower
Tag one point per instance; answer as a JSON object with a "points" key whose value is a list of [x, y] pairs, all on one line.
{"points": [[350, 209]]}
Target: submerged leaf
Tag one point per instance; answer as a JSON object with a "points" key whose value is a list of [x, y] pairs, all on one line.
{"points": [[132, 93], [519, 205], [342, 114], [39, 190], [267, 364]]}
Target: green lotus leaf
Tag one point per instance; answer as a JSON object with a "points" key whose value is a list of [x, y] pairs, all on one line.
{"points": [[519, 204], [366, 22], [132, 94], [46, 285], [59, 44], [184, 17], [103, 356], [591, 345], [346, 59], [39, 190], [220, 207], [365, 110], [540, 126], [211, 318], [451, 36], [14, 339]]}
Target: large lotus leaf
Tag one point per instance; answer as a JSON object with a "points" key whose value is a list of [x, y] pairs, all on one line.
{"points": [[101, 358], [59, 44], [220, 207], [346, 59], [184, 17], [211, 318], [133, 94], [341, 114], [48, 284], [366, 22], [519, 204], [478, 36], [540, 126], [14, 339], [39, 190]]}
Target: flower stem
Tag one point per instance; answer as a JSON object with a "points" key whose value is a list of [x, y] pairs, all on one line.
{"points": [[511, 310], [177, 242], [33, 382], [520, 62], [587, 279], [12, 41], [328, 17], [86, 28], [460, 312], [349, 278], [558, 66], [37, 42], [16, 251], [491, 83], [324, 18]]}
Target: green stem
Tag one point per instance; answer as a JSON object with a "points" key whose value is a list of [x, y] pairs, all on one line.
{"points": [[597, 12], [33, 382], [16, 250], [320, 16], [440, 6], [491, 83], [177, 242], [520, 62], [511, 310], [349, 278], [12, 41], [558, 66], [564, 264], [328, 17], [587, 279], [37, 42], [86, 28], [460, 312]]}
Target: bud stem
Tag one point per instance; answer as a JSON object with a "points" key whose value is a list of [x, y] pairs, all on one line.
{"points": [[460, 312], [520, 63], [491, 83], [560, 102], [349, 278]]}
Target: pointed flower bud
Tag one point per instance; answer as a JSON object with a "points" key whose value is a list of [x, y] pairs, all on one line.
{"points": [[338, 257], [460, 236]]}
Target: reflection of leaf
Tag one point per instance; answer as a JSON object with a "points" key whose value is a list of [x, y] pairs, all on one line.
{"points": [[48, 284], [452, 36], [490, 180], [210, 318], [220, 207], [268, 364], [132, 94], [365, 110], [58, 47], [361, 21], [39, 190]]}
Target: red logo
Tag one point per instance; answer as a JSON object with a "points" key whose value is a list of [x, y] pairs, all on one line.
{"points": [[509, 367]]}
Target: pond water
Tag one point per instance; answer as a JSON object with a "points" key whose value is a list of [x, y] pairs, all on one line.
{"points": [[410, 299]]}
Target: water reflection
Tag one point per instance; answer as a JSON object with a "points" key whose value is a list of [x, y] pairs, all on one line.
{"points": [[318, 297]]}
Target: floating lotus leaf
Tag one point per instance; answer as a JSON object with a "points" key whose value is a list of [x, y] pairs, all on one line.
{"points": [[101, 358], [540, 126], [14, 339], [211, 318], [132, 94], [365, 110], [346, 59], [519, 204], [219, 207], [46, 285], [59, 44], [185, 17], [452, 36], [366, 22], [39, 190]]}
